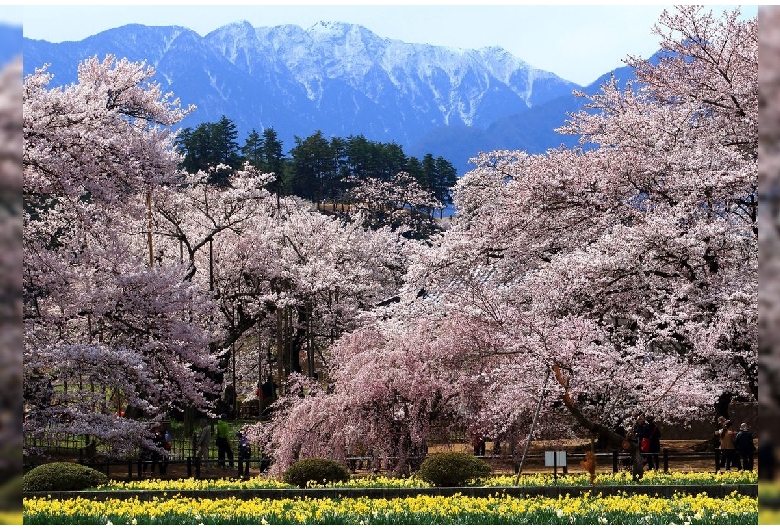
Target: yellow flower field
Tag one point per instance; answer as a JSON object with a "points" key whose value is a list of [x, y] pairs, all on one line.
{"points": [[498, 481], [422, 509]]}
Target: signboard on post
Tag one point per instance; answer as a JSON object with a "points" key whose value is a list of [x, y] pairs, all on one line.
{"points": [[555, 458]]}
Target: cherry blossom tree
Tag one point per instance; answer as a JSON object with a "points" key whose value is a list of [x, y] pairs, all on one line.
{"points": [[645, 246], [142, 279], [614, 278], [303, 278], [282, 274], [95, 153], [399, 202]]}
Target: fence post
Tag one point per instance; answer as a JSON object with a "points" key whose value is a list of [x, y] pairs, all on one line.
{"points": [[197, 467], [189, 466], [614, 461], [140, 469], [717, 460], [666, 460]]}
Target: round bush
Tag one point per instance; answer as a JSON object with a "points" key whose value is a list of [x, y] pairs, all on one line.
{"points": [[452, 469], [319, 470], [62, 476]]}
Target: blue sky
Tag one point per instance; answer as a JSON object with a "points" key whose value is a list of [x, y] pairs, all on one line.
{"points": [[577, 42]]}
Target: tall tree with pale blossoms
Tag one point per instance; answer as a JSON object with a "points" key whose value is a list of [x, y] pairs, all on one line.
{"points": [[105, 328], [614, 278], [644, 247], [300, 279]]}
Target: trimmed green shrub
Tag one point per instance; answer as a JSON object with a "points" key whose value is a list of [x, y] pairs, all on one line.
{"points": [[452, 469], [319, 470], [62, 476]]}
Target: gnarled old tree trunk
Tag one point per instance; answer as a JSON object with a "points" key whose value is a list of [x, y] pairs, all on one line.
{"points": [[604, 433]]}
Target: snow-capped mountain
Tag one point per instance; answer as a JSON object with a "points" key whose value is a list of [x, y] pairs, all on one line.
{"points": [[335, 77]]}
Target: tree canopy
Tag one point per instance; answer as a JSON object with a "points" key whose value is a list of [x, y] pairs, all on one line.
{"points": [[609, 281]]}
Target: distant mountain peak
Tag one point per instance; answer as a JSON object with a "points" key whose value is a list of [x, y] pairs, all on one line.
{"points": [[328, 26], [237, 26], [337, 77]]}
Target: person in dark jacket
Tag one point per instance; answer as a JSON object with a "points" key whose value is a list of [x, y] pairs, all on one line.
{"points": [[743, 443], [244, 454], [653, 434]]}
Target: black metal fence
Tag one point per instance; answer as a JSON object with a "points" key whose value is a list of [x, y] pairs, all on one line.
{"points": [[141, 468], [136, 467]]}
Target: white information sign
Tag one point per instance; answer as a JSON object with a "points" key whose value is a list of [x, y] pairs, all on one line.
{"points": [[555, 458]]}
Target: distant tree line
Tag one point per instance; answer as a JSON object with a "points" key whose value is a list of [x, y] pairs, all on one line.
{"points": [[318, 169]]}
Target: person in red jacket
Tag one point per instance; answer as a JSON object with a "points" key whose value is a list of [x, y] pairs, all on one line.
{"points": [[652, 433]]}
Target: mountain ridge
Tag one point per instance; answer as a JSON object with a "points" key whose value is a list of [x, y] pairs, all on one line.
{"points": [[336, 77]]}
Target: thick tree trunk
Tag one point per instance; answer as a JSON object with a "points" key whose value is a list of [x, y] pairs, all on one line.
{"points": [[605, 433]]}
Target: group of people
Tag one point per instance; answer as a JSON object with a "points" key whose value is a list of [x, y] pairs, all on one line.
{"points": [[161, 438], [647, 435], [202, 444], [736, 447]]}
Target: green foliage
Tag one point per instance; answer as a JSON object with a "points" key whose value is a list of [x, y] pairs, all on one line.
{"points": [[319, 470], [209, 145], [319, 169], [452, 469], [62, 476]]}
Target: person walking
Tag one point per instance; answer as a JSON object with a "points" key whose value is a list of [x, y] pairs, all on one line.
{"points": [[638, 435], [223, 444], [718, 433], [478, 443], [743, 443], [204, 443], [244, 453]]}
